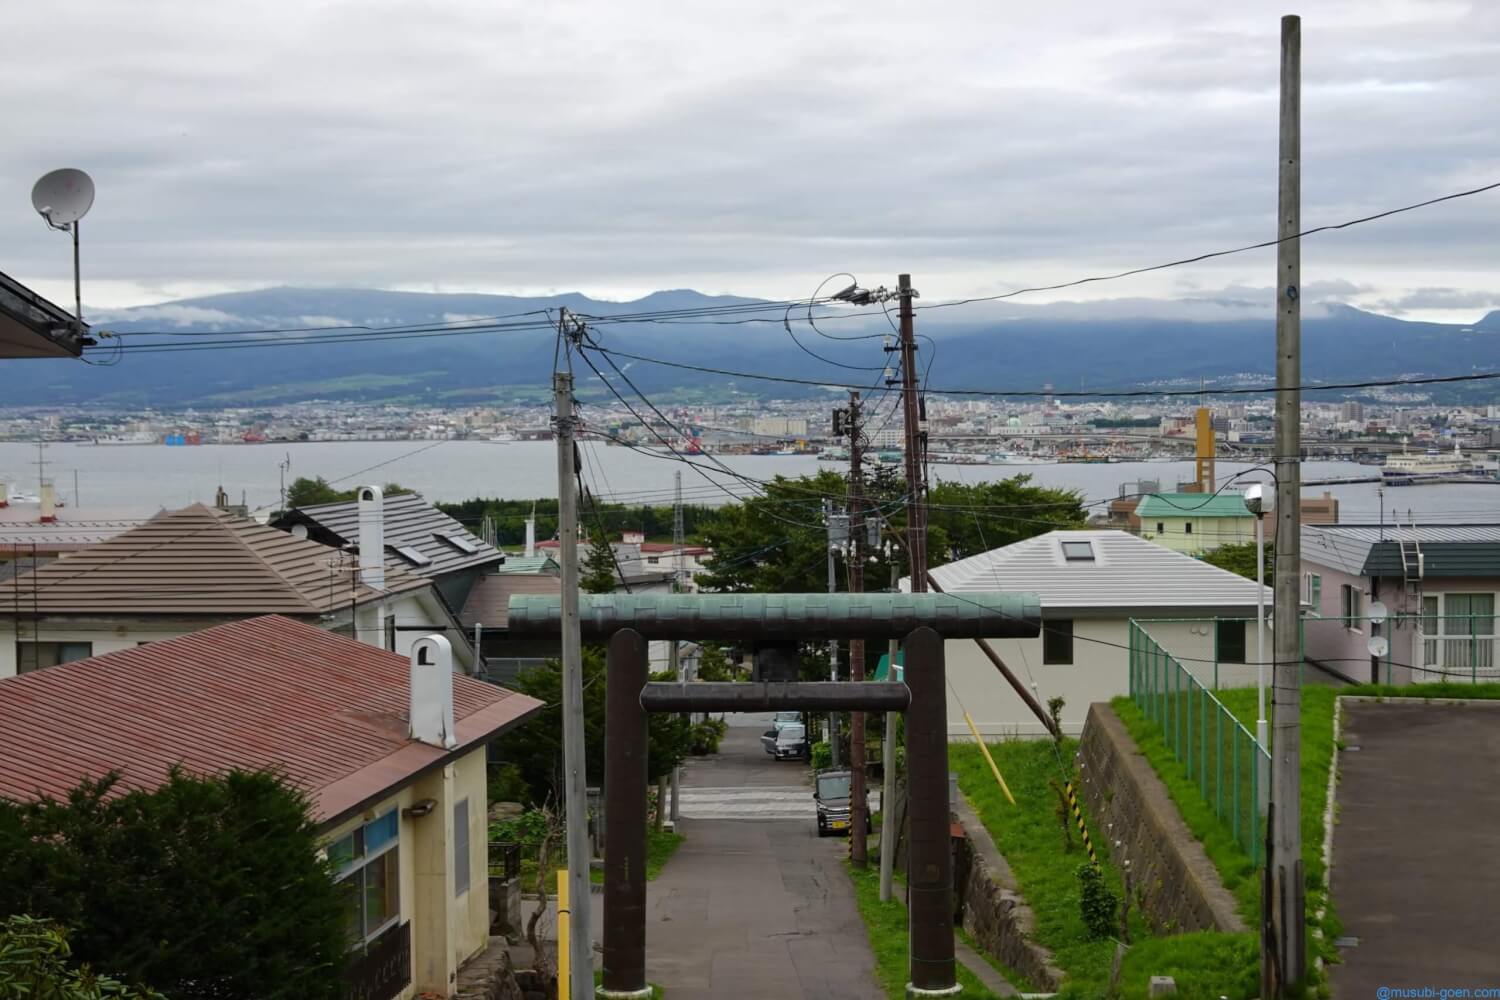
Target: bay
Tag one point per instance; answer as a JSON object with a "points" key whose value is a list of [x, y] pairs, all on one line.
{"points": [[139, 480]]}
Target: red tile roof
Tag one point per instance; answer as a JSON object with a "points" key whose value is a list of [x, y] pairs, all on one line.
{"points": [[268, 692]]}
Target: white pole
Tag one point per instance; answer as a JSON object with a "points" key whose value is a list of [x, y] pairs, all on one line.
{"points": [[1261, 727]]}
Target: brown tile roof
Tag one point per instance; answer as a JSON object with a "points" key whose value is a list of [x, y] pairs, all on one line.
{"points": [[199, 560], [489, 600], [267, 692]]}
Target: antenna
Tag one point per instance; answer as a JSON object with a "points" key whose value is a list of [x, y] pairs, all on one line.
{"points": [[62, 197]]}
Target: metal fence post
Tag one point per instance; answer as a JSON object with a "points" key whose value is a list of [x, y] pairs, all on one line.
{"points": [[1235, 799], [1219, 765]]}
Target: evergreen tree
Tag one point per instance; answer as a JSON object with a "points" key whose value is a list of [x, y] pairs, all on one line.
{"points": [[599, 576]]}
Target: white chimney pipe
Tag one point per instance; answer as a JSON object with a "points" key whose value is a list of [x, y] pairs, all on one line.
{"points": [[372, 537], [432, 692], [49, 503], [530, 537]]}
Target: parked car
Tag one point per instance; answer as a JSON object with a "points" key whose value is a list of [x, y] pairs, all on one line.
{"points": [[786, 719], [787, 743], [831, 792]]}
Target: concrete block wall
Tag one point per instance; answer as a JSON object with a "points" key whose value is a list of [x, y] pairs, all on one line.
{"points": [[1129, 804]]}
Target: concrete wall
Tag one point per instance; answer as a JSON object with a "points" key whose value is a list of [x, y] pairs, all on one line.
{"points": [[1100, 670], [1129, 804]]}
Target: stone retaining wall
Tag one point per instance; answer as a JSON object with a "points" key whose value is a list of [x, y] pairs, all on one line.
{"points": [[1182, 889], [991, 908]]}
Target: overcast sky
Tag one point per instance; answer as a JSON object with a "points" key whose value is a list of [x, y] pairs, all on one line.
{"points": [[621, 146]]}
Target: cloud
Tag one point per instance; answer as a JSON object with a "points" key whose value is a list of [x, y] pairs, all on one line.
{"points": [[171, 314], [1440, 298], [656, 144]]}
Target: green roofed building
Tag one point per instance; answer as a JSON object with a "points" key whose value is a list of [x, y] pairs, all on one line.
{"points": [[1195, 523]]}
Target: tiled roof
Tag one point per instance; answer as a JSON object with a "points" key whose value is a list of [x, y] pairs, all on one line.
{"points": [[1192, 505], [20, 525], [199, 560], [328, 712], [489, 601], [410, 522], [1126, 573]]}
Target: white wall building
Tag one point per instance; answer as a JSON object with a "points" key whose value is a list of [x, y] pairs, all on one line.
{"points": [[1091, 584]]}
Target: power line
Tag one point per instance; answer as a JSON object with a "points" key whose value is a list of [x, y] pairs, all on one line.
{"points": [[1091, 394]]}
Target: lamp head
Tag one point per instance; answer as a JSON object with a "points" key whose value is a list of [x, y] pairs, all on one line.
{"points": [[1255, 499]]}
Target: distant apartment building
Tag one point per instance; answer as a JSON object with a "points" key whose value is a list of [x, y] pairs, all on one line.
{"points": [[779, 427], [1352, 412]]}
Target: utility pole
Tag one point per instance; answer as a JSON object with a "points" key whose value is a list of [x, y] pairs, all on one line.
{"points": [[580, 940], [1284, 963], [674, 661], [859, 813], [833, 645], [888, 767], [916, 512]]}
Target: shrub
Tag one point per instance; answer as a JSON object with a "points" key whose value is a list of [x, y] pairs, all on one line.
{"points": [[1097, 902], [207, 887], [34, 965], [822, 755], [707, 735]]}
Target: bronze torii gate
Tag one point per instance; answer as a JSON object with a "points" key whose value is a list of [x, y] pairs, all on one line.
{"points": [[774, 624]]}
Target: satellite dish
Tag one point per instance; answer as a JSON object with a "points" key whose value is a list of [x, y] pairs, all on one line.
{"points": [[298, 531], [1378, 613], [63, 197], [1378, 645]]}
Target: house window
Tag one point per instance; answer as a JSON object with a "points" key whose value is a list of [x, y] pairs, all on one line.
{"points": [[461, 847], [1078, 552], [1229, 642], [1349, 602], [36, 655], [1187, 527], [653, 560], [1313, 593], [412, 556], [367, 864], [1161, 527], [1057, 642], [1469, 614]]}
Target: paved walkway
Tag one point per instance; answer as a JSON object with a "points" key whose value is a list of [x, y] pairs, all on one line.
{"points": [[1415, 876], [754, 904]]}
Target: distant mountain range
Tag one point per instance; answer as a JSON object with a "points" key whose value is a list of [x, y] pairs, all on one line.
{"points": [[1093, 346]]}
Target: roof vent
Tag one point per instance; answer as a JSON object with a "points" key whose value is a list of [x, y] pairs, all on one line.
{"points": [[371, 537], [432, 692]]}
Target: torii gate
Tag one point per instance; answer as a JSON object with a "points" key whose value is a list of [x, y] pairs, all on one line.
{"points": [[774, 624]]}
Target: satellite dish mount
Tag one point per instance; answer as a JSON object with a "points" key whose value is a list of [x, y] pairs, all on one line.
{"points": [[61, 198]]}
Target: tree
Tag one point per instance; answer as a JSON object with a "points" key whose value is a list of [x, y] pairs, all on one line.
{"points": [[206, 887], [1240, 558], [599, 575], [34, 966], [306, 492]]}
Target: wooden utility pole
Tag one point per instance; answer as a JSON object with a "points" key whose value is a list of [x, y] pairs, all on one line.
{"points": [[575, 790], [858, 807], [1284, 963], [916, 511]]}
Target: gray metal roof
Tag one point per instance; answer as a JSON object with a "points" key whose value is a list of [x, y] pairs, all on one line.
{"points": [[410, 522], [1448, 550], [1126, 573]]}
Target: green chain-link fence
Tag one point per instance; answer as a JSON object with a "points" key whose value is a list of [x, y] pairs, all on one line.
{"points": [[1221, 755]]}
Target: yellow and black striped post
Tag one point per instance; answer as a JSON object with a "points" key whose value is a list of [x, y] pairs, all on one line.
{"points": [[1078, 818]]}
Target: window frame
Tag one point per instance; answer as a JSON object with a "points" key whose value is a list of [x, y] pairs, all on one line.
{"points": [[1219, 644], [1058, 631], [55, 646], [1187, 527], [462, 847], [1313, 587], [360, 860], [1085, 544], [1350, 598]]}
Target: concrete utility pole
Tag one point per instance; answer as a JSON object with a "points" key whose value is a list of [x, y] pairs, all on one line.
{"points": [[859, 812], [916, 511], [888, 768], [674, 661], [575, 782], [833, 645], [1284, 963]]}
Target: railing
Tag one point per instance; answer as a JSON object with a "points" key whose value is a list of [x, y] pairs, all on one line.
{"points": [[383, 969], [505, 859], [1222, 757], [1458, 649]]}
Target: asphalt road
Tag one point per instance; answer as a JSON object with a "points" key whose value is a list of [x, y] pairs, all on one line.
{"points": [[1416, 848], [754, 903]]}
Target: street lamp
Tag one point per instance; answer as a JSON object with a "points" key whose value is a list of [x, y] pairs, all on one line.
{"points": [[1257, 501]]}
